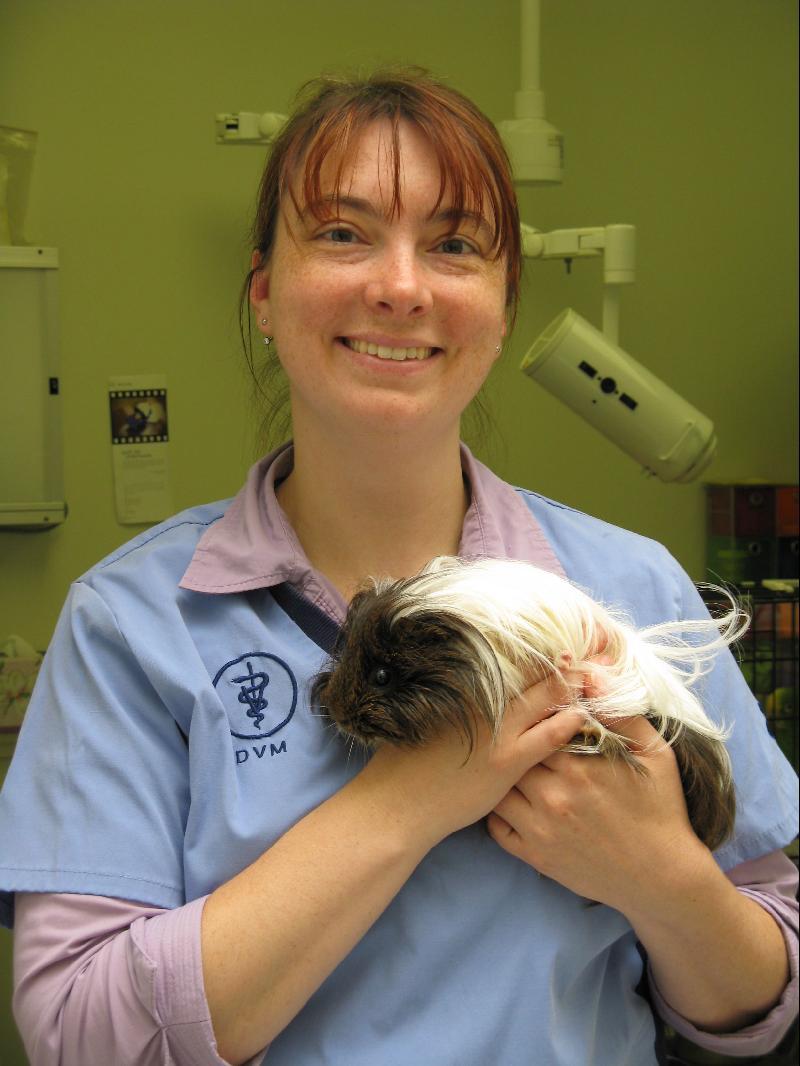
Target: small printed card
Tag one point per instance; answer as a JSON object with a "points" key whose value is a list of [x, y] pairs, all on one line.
{"points": [[140, 448]]}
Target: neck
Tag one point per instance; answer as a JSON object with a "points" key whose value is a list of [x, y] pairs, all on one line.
{"points": [[372, 508]]}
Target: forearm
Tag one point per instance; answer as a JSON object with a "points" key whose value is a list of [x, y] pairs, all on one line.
{"points": [[99, 979], [271, 935], [718, 958]]}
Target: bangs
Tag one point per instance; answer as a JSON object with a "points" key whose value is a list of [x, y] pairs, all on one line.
{"points": [[474, 174]]}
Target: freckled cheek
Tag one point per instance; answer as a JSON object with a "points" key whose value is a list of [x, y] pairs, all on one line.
{"points": [[474, 310], [478, 334], [309, 308]]}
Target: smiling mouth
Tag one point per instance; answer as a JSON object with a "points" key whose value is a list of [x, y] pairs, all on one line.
{"points": [[382, 352]]}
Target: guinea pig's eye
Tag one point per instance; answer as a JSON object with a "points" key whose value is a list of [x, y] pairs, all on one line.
{"points": [[380, 677]]}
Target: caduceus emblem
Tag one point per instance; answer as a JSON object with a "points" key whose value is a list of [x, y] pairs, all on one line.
{"points": [[242, 686], [251, 692]]}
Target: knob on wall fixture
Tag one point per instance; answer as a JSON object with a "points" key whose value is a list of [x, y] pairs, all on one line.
{"points": [[248, 127]]}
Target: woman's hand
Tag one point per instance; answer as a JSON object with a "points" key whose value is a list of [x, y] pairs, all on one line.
{"points": [[598, 827], [623, 838], [442, 787]]}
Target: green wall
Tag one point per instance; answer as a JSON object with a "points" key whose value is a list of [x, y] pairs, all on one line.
{"points": [[679, 118]]}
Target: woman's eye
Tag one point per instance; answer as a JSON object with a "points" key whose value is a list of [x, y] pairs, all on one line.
{"points": [[340, 236], [456, 246]]}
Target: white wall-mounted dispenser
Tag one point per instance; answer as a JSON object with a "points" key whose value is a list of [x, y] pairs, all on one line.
{"points": [[31, 474]]}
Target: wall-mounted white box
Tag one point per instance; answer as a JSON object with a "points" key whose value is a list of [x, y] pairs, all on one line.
{"points": [[31, 470]]}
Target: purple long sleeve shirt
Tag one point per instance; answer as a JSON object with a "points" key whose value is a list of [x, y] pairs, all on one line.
{"points": [[103, 980]]}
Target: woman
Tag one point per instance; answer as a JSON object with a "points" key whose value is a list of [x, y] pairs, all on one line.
{"points": [[202, 870]]}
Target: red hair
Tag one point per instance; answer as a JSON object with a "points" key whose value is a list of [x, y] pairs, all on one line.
{"points": [[330, 115]]}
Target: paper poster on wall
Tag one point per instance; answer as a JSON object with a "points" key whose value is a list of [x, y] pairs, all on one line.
{"points": [[140, 448]]}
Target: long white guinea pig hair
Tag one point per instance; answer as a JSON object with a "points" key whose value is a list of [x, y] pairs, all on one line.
{"points": [[534, 623]]}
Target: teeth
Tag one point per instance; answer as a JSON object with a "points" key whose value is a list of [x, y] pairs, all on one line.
{"points": [[387, 353]]}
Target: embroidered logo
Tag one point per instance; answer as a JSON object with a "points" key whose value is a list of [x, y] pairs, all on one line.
{"points": [[259, 692]]}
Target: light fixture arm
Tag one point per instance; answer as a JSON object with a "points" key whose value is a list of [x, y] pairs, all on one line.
{"points": [[529, 76], [616, 243]]}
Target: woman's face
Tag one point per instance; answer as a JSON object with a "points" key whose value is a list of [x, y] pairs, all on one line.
{"points": [[384, 324]]}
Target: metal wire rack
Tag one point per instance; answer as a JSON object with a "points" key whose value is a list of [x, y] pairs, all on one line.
{"points": [[768, 657]]}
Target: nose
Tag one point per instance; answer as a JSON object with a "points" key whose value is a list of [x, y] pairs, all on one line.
{"points": [[399, 284]]}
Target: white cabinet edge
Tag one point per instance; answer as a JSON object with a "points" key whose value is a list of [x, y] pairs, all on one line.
{"points": [[17, 255]]}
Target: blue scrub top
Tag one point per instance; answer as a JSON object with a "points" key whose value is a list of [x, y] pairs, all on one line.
{"points": [[169, 742]]}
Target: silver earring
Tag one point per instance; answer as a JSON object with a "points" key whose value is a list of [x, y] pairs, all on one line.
{"points": [[499, 348], [263, 321], [268, 341]]}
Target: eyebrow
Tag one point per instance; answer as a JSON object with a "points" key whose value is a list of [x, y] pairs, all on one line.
{"points": [[367, 207]]}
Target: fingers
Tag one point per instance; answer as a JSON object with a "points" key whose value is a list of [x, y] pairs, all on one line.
{"points": [[646, 743], [593, 682], [638, 741], [639, 734], [635, 729], [550, 734], [502, 832], [542, 720], [541, 701]]}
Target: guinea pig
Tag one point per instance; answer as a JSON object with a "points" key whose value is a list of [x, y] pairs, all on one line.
{"points": [[451, 646]]}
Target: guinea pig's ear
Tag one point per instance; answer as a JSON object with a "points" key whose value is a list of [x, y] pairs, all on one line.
{"points": [[432, 627], [354, 620], [361, 598], [355, 609]]}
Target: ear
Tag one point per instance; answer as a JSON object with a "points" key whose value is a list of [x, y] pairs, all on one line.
{"points": [[259, 291], [503, 334]]}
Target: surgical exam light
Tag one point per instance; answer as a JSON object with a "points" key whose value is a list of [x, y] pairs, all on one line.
{"points": [[587, 370]]}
